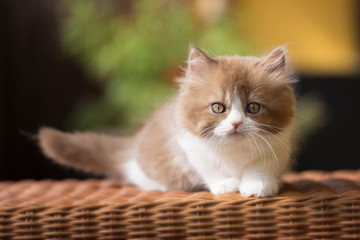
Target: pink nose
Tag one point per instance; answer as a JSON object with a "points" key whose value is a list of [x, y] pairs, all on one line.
{"points": [[236, 124]]}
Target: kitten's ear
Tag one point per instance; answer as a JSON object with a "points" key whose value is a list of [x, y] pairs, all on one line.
{"points": [[275, 62], [198, 61]]}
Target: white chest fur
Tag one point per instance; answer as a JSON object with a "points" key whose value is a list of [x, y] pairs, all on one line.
{"points": [[214, 162]]}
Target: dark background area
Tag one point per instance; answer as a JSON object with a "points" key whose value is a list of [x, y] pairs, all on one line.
{"points": [[39, 85], [337, 144]]}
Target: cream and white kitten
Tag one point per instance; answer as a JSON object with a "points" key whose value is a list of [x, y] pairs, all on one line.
{"points": [[227, 130]]}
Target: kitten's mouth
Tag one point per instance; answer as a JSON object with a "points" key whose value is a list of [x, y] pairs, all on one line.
{"points": [[236, 133]]}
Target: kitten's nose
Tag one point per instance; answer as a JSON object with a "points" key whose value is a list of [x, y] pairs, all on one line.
{"points": [[236, 124]]}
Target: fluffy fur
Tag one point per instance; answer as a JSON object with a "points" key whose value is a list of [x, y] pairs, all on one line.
{"points": [[186, 145]]}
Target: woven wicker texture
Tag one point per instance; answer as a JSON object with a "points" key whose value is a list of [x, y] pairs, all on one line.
{"points": [[312, 205]]}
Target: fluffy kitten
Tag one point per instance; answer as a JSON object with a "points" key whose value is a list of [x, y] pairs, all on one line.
{"points": [[227, 130]]}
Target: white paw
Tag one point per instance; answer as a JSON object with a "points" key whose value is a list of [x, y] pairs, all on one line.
{"points": [[259, 187], [224, 186]]}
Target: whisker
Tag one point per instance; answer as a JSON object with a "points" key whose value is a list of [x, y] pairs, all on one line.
{"points": [[259, 149], [278, 130], [276, 138], [207, 130], [269, 126], [252, 148], [272, 135], [270, 148]]}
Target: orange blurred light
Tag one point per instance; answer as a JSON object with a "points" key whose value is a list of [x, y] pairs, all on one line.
{"points": [[321, 34]]}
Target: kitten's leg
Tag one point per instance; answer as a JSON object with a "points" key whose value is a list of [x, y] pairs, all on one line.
{"points": [[215, 178], [259, 183], [208, 165]]}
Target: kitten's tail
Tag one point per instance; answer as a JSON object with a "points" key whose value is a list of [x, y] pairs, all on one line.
{"points": [[92, 152]]}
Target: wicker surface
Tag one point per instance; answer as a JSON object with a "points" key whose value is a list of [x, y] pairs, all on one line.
{"points": [[312, 205]]}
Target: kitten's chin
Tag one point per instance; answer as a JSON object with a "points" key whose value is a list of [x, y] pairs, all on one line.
{"points": [[234, 136]]}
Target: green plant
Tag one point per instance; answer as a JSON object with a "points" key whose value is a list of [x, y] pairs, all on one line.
{"points": [[131, 53]]}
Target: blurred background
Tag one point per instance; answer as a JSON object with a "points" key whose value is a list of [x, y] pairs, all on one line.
{"points": [[104, 65]]}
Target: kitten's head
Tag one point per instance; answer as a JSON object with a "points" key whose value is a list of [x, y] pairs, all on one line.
{"points": [[232, 97]]}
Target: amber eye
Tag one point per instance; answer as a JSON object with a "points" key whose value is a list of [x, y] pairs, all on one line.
{"points": [[218, 108], [253, 108]]}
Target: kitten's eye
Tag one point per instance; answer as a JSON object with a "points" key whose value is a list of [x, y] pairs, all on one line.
{"points": [[253, 108], [218, 108]]}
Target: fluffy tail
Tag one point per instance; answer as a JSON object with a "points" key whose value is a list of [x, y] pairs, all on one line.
{"points": [[92, 152]]}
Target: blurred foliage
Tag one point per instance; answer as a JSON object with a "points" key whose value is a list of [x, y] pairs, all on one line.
{"points": [[134, 53], [312, 115]]}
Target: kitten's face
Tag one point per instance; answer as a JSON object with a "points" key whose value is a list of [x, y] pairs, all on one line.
{"points": [[233, 97]]}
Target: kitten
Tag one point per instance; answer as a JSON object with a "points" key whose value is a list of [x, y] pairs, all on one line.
{"points": [[227, 130]]}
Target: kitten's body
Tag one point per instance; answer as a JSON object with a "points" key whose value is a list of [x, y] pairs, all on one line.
{"points": [[186, 145]]}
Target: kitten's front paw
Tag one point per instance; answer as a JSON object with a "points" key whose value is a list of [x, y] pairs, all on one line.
{"points": [[259, 187], [224, 186]]}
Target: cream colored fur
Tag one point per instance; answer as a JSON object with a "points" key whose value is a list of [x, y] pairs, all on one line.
{"points": [[187, 146]]}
